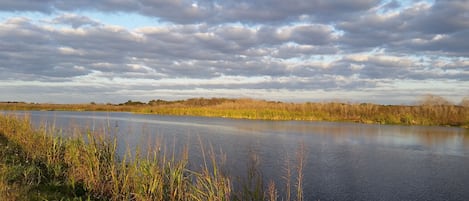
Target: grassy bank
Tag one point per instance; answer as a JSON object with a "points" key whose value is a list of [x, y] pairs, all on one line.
{"points": [[432, 111], [38, 164]]}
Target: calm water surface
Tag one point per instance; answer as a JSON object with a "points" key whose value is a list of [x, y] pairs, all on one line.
{"points": [[344, 161]]}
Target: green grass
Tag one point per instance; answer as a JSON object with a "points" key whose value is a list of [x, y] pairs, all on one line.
{"points": [[39, 164]]}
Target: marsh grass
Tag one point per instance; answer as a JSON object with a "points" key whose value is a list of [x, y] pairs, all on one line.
{"points": [[43, 164], [431, 110], [293, 177], [300, 165], [8, 167]]}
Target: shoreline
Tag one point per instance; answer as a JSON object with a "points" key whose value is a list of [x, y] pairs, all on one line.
{"points": [[419, 115]]}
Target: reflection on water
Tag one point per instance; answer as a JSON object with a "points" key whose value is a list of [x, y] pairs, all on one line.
{"points": [[345, 161]]}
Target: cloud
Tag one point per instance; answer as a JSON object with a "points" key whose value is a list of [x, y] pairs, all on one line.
{"points": [[30, 5], [184, 11], [225, 47], [288, 50], [443, 17], [75, 21], [420, 27], [157, 53]]}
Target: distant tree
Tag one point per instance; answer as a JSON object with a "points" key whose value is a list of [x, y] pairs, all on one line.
{"points": [[205, 101], [465, 102], [158, 102], [433, 100], [130, 102]]}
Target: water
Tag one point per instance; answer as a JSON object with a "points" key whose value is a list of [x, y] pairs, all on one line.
{"points": [[344, 161]]}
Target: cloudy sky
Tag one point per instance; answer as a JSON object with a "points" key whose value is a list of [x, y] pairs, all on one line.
{"points": [[382, 51]]}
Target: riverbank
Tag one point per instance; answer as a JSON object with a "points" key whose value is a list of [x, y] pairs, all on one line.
{"points": [[427, 114], [39, 164]]}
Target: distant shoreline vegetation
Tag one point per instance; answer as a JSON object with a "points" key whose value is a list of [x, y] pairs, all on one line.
{"points": [[431, 110]]}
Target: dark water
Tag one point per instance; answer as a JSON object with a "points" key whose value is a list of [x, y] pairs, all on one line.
{"points": [[344, 161]]}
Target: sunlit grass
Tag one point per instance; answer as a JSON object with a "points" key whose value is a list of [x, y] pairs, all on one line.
{"points": [[433, 110]]}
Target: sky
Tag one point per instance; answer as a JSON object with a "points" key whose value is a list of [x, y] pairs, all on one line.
{"points": [[111, 51]]}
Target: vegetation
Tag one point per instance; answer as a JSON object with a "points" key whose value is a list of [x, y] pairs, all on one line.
{"points": [[431, 110], [43, 164]]}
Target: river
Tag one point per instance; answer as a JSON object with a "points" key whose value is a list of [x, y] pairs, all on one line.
{"points": [[343, 161]]}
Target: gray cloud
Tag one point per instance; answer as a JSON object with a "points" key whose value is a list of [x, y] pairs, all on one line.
{"points": [[41, 6], [259, 11], [75, 21], [417, 28], [443, 17], [392, 5], [292, 51]]}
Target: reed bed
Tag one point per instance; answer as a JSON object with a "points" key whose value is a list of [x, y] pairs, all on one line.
{"points": [[44, 164], [431, 110]]}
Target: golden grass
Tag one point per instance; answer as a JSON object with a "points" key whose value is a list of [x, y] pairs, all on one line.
{"points": [[433, 110]]}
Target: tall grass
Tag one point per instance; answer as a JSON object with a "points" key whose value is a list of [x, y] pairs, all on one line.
{"points": [[49, 166], [7, 191], [432, 110], [291, 177]]}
